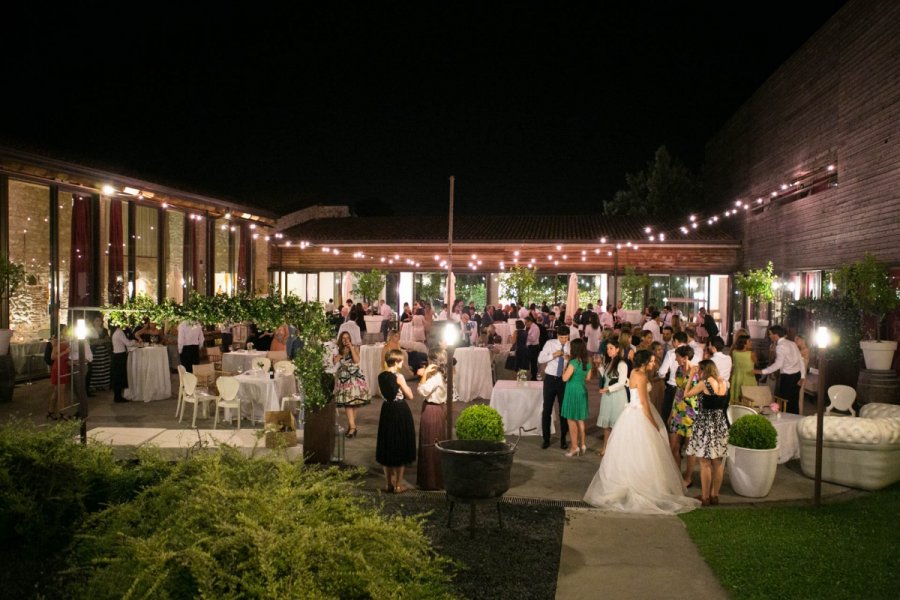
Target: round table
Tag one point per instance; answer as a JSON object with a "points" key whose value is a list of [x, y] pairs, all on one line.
{"points": [[240, 361], [473, 377], [788, 442], [370, 365], [503, 330], [148, 374], [260, 393], [520, 405]]}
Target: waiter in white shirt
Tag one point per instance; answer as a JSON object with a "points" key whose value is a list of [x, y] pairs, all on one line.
{"points": [[554, 355], [121, 344], [722, 361], [789, 361], [190, 338]]}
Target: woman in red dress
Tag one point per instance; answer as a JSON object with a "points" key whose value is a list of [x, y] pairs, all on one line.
{"points": [[59, 378]]}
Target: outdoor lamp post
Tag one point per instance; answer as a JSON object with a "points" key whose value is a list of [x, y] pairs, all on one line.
{"points": [[81, 383], [450, 337], [823, 340]]}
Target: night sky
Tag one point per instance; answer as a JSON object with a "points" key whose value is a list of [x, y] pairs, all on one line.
{"points": [[538, 108]]}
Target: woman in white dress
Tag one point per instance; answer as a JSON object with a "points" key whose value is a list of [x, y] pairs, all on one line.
{"points": [[637, 474]]}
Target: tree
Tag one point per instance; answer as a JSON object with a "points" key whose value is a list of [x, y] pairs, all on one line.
{"points": [[633, 286], [867, 284], [369, 285], [757, 285], [430, 288], [519, 284], [665, 188]]}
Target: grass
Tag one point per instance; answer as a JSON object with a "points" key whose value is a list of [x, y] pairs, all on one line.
{"points": [[845, 550]]}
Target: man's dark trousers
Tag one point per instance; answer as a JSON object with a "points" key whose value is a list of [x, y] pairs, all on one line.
{"points": [[554, 390]]}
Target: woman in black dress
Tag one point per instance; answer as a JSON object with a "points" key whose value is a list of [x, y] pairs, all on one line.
{"points": [[396, 444]]}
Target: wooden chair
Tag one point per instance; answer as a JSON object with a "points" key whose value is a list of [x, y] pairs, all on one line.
{"points": [[239, 334], [205, 374], [214, 353]]}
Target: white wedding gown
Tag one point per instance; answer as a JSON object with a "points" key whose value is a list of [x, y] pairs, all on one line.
{"points": [[637, 473]]}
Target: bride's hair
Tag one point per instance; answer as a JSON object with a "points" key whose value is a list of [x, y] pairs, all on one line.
{"points": [[641, 358]]}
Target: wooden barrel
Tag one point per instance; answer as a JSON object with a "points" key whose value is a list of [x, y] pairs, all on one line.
{"points": [[878, 386], [7, 378]]}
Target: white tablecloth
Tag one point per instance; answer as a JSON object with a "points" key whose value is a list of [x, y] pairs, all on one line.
{"points": [[632, 316], [370, 365], [241, 360], [473, 373], [503, 330], [20, 351], [148, 374], [414, 346], [259, 393], [406, 332], [788, 442], [520, 405]]}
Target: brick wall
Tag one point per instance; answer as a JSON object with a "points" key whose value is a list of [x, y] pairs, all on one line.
{"points": [[836, 101]]}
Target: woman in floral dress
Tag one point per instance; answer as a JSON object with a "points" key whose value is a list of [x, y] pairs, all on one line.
{"points": [[684, 410], [709, 439], [350, 388]]}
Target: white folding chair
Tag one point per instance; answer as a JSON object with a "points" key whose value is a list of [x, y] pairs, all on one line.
{"points": [[736, 411], [266, 362], [181, 372], [842, 398], [284, 367], [228, 398], [193, 396]]}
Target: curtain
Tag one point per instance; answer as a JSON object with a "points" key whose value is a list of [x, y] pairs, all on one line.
{"points": [[81, 253], [115, 286], [195, 256]]}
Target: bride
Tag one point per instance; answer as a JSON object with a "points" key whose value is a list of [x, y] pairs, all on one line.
{"points": [[637, 474]]}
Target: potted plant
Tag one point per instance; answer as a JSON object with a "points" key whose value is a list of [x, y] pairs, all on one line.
{"points": [[369, 285], [752, 455], [756, 284], [477, 465], [317, 385], [12, 275], [867, 284]]}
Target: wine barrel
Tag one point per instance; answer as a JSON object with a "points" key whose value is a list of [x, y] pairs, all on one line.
{"points": [[878, 386], [7, 378]]}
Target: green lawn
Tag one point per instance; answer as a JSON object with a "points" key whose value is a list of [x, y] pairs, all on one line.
{"points": [[845, 550]]}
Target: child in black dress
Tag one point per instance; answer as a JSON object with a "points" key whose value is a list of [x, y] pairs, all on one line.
{"points": [[396, 444]]}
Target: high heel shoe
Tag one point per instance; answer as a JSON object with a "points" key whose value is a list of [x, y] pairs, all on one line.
{"points": [[351, 433], [583, 450], [573, 453]]}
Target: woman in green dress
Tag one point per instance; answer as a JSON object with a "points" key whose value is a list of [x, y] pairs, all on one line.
{"points": [[744, 360], [575, 400]]}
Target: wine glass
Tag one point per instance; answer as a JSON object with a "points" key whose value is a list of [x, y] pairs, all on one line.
{"points": [[240, 369]]}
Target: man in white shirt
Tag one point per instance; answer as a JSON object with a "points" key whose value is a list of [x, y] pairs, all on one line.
{"points": [[190, 338], [352, 328], [442, 316], [119, 363], [573, 330], [699, 349], [523, 312], [722, 361], [606, 320], [329, 306], [653, 326], [667, 371], [532, 342], [789, 361], [386, 314], [554, 355]]}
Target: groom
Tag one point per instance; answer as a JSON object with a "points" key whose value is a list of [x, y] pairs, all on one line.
{"points": [[554, 356]]}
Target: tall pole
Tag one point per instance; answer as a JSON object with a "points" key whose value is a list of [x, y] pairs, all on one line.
{"points": [[449, 307], [820, 422]]}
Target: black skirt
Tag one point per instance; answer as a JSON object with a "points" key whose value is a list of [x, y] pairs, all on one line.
{"points": [[396, 443]]}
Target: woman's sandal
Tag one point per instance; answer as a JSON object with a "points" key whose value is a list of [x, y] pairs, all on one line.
{"points": [[703, 501], [388, 490], [714, 500], [400, 489], [351, 433]]}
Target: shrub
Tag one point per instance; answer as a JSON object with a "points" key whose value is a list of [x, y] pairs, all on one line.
{"points": [[225, 526], [48, 484], [480, 422], [753, 432]]}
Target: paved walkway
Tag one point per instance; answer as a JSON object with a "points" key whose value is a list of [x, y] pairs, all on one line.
{"points": [[604, 554]]}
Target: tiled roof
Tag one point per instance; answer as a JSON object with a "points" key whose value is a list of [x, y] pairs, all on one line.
{"points": [[513, 228]]}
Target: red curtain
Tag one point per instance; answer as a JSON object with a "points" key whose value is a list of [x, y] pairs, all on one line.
{"points": [[195, 256], [115, 286], [81, 253]]}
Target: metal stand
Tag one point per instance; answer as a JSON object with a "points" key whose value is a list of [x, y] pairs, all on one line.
{"points": [[472, 502]]}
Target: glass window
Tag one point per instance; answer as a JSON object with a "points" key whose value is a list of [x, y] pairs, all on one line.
{"points": [[659, 290], [29, 244], [65, 251], [296, 284], [114, 256], [146, 251], [224, 276], [175, 282]]}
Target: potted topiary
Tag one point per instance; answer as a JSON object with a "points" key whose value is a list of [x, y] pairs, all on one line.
{"points": [[756, 284], [478, 464], [867, 284], [752, 455]]}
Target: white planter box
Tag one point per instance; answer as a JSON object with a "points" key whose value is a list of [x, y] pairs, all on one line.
{"points": [[879, 355], [752, 472], [757, 328]]}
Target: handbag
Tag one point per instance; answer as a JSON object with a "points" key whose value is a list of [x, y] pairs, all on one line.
{"points": [[511, 362]]}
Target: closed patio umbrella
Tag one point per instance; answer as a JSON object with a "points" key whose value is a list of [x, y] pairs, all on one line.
{"points": [[572, 295], [346, 287], [450, 294]]}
